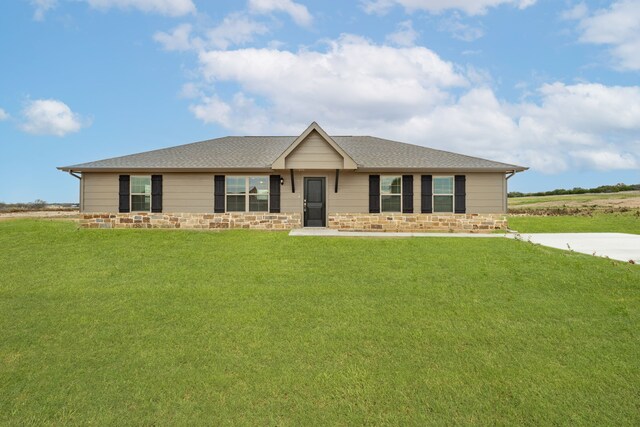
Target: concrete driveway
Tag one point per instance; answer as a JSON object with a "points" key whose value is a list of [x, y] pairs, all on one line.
{"points": [[619, 246]]}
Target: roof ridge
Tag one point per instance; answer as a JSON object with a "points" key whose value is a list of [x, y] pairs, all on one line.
{"points": [[287, 136]]}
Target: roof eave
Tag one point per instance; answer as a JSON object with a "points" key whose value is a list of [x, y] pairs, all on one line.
{"points": [[161, 169], [79, 168], [441, 169]]}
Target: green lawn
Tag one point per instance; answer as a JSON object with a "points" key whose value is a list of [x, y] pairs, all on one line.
{"points": [[256, 328], [622, 222]]}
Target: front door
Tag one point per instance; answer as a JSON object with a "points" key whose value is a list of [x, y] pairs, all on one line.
{"points": [[314, 202]]}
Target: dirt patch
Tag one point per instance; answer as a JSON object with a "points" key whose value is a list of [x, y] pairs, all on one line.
{"points": [[576, 204], [630, 203], [64, 214], [571, 211]]}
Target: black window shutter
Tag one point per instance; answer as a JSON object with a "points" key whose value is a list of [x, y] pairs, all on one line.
{"points": [[374, 193], [274, 193], [407, 193], [460, 194], [156, 193], [218, 194], [427, 193], [123, 205]]}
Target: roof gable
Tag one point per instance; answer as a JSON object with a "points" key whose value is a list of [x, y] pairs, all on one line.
{"points": [[314, 153], [297, 147]]}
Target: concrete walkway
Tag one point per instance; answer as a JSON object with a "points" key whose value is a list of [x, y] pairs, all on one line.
{"points": [[618, 246], [326, 232]]}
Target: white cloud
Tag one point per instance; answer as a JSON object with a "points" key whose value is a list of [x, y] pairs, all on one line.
{"points": [[177, 39], [411, 94], [298, 12], [161, 7], [578, 11], [212, 110], [617, 27], [569, 126], [339, 80], [190, 90], [605, 160], [459, 29], [50, 117], [579, 122], [235, 29], [470, 7], [3, 115], [593, 108], [41, 7], [404, 36]]}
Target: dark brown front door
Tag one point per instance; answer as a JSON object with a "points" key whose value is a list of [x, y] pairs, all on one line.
{"points": [[314, 202]]}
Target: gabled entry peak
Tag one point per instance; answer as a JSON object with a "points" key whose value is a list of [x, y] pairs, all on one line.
{"points": [[315, 147]]}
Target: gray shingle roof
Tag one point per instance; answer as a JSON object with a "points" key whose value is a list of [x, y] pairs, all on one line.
{"points": [[371, 152], [259, 152]]}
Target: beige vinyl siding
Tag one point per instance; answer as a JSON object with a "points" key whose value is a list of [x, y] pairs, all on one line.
{"points": [[314, 153], [417, 193], [187, 192], [193, 192], [486, 193], [182, 192], [352, 196], [100, 192], [81, 195], [353, 193]]}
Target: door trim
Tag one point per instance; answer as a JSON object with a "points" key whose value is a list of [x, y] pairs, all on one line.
{"points": [[324, 199]]}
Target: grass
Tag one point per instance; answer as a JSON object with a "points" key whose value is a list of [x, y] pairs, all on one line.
{"points": [[257, 328], [619, 222]]}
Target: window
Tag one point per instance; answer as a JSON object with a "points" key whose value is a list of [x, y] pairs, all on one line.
{"points": [[391, 193], [236, 190], [140, 193], [258, 194], [443, 194], [247, 194]]}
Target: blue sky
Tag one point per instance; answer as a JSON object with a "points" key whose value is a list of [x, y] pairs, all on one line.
{"points": [[553, 85]]}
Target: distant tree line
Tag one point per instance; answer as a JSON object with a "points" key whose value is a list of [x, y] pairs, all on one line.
{"points": [[36, 204], [579, 190]]}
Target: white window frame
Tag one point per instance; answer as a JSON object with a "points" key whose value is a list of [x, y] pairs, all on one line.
{"points": [[390, 194], [453, 193], [246, 193], [131, 193]]}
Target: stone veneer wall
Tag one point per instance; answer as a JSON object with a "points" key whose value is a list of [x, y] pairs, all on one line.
{"points": [[418, 222], [287, 221], [256, 220]]}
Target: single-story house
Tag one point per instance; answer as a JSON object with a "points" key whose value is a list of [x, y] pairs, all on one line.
{"points": [[283, 182]]}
